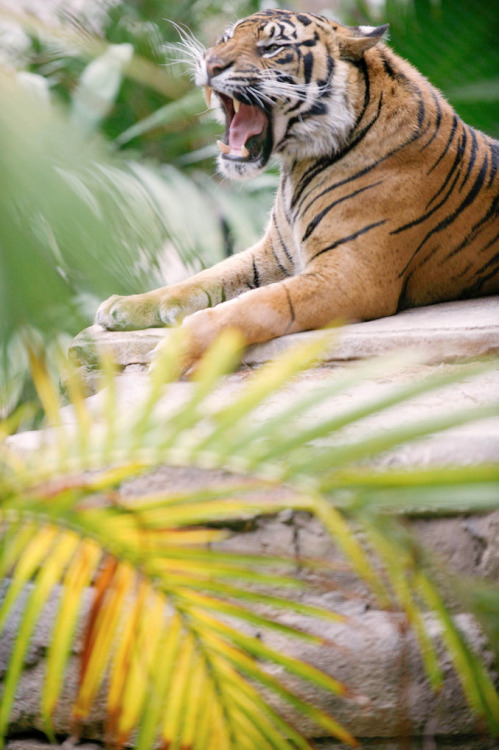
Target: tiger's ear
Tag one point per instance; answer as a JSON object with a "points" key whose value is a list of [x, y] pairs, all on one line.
{"points": [[355, 40]]}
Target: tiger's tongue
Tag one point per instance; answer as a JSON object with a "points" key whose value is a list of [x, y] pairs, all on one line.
{"points": [[245, 123]]}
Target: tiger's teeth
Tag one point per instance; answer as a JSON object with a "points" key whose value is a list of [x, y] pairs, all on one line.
{"points": [[244, 152], [223, 147], [237, 104], [207, 95]]}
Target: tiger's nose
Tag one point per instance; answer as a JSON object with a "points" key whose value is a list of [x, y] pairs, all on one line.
{"points": [[215, 65]]}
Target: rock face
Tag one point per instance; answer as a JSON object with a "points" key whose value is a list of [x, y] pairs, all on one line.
{"points": [[375, 654], [449, 331]]}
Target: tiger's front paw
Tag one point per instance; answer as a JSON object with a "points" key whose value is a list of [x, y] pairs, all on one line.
{"points": [[138, 311]]}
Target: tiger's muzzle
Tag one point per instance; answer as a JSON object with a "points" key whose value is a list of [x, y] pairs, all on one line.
{"points": [[248, 131]]}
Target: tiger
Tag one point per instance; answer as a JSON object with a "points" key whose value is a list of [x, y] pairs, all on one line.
{"points": [[387, 200]]}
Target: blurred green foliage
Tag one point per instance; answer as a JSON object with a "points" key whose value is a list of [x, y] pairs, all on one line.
{"points": [[85, 213], [453, 44]]}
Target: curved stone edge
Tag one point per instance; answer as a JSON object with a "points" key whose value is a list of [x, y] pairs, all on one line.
{"points": [[445, 332]]}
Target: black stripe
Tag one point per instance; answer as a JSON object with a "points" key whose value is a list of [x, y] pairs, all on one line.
{"points": [[494, 261], [308, 64], [291, 309], [459, 155], [477, 185], [438, 120], [475, 189], [362, 172], [474, 147], [363, 69], [461, 148], [391, 73], [326, 161], [317, 108], [493, 211], [343, 240], [470, 237], [305, 20], [489, 244], [494, 160], [455, 121], [478, 285], [279, 264], [318, 218], [256, 277], [421, 111], [283, 244], [427, 215], [464, 243], [322, 164]]}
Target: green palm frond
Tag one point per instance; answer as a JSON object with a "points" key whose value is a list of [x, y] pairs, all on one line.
{"points": [[172, 615]]}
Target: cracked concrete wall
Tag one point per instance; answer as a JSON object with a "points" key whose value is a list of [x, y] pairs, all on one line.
{"points": [[373, 653]]}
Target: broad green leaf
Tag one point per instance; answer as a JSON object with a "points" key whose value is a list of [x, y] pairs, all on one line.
{"points": [[249, 667], [178, 699], [34, 554], [243, 613], [228, 420], [63, 547], [476, 681], [98, 87], [337, 526], [161, 679], [112, 589], [392, 437], [77, 578], [257, 648], [190, 104]]}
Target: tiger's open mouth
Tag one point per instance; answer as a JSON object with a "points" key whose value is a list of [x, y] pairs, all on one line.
{"points": [[248, 135]]}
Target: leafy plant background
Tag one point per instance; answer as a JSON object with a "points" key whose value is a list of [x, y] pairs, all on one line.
{"points": [[108, 187]]}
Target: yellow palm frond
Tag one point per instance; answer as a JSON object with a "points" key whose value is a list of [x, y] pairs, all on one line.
{"points": [[170, 629]]}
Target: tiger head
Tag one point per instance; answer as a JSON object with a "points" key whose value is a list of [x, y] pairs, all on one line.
{"points": [[282, 85]]}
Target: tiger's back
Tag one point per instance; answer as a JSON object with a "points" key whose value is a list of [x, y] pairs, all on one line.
{"points": [[415, 188]]}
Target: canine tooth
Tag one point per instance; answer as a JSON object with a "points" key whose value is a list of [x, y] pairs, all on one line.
{"points": [[244, 152], [223, 147], [207, 95], [237, 104]]}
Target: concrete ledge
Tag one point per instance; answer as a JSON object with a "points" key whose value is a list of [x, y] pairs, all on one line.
{"points": [[449, 331], [373, 652]]}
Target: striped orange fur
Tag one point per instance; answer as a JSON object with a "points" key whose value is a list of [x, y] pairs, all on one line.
{"points": [[387, 200]]}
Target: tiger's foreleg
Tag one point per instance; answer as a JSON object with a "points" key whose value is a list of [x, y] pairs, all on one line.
{"points": [[169, 305], [304, 302]]}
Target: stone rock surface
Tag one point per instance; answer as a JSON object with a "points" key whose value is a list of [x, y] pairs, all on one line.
{"points": [[448, 331], [473, 443], [372, 652], [428, 742]]}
